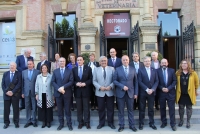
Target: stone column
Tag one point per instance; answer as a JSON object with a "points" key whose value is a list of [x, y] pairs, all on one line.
{"points": [[197, 50], [87, 18], [147, 15]]}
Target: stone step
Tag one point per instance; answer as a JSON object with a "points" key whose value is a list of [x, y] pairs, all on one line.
{"points": [[94, 121]]}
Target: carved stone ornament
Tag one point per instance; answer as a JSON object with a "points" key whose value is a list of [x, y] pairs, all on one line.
{"points": [[9, 2]]}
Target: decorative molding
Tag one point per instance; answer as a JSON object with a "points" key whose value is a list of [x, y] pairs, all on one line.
{"points": [[99, 12], [169, 5], [64, 4], [135, 11], [9, 2]]}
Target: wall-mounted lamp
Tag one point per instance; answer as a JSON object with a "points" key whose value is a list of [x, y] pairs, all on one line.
{"points": [[166, 39], [71, 48], [61, 42]]}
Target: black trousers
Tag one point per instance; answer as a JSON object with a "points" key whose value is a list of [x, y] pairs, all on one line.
{"points": [[136, 103], [157, 98], [15, 105], [93, 98], [105, 103], [143, 99], [22, 103], [83, 110], [45, 114]]}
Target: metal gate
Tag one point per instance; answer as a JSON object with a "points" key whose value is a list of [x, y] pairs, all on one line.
{"points": [[102, 39], [75, 40], [134, 45], [188, 44], [51, 44], [160, 40]]}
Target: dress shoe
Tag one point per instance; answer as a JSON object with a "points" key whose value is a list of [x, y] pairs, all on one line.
{"points": [[153, 126], [163, 125], [5, 126], [133, 129], [111, 126], [100, 126], [34, 124], [72, 109], [28, 124], [48, 124], [80, 126], [188, 125], [16, 125], [70, 127], [43, 124], [180, 123], [174, 128], [157, 108], [120, 129], [92, 108], [140, 126], [21, 108], [60, 127], [87, 125]]}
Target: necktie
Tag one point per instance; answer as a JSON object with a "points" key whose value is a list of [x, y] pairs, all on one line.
{"points": [[113, 62], [62, 73], [11, 78], [30, 74], [126, 72], [164, 75], [148, 72], [80, 72], [104, 73]]}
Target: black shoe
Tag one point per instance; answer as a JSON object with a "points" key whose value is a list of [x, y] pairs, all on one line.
{"points": [[48, 124], [28, 124], [80, 126], [34, 124], [133, 129], [16, 125], [120, 129], [157, 108], [163, 125], [100, 126], [87, 125], [60, 127], [21, 108], [92, 108], [153, 126], [43, 125], [5, 126], [180, 123], [140, 126], [111, 126], [72, 109], [188, 125], [70, 127], [174, 128]]}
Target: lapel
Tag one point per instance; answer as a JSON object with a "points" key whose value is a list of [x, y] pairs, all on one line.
{"points": [[147, 73], [15, 74], [33, 73], [122, 68]]}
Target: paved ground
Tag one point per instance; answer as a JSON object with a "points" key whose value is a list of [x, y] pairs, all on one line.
{"points": [[195, 129]]}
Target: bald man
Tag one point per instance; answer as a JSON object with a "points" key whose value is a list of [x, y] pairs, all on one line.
{"points": [[167, 93], [125, 80], [11, 86], [114, 61]]}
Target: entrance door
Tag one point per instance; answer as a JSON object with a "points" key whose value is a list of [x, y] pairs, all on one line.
{"points": [[120, 45]]}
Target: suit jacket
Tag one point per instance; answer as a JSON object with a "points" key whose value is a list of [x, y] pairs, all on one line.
{"points": [[120, 81], [58, 82], [144, 81], [48, 63], [171, 82], [118, 62], [29, 85], [95, 63], [6, 81], [133, 65], [152, 64], [86, 78], [21, 62], [98, 81]]}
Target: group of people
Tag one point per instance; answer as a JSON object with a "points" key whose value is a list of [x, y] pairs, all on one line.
{"points": [[131, 83]]}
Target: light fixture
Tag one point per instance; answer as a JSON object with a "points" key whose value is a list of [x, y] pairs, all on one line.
{"points": [[166, 39], [61, 42], [70, 48]]}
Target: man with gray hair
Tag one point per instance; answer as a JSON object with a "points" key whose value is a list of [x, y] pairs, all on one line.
{"points": [[43, 60], [22, 64], [103, 82], [11, 86], [156, 65]]}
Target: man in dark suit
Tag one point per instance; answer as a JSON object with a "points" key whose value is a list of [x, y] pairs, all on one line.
{"points": [[114, 61], [156, 65], [62, 81], [22, 65], [125, 80], [167, 92], [93, 64], [43, 60], [148, 82], [136, 64], [11, 95], [28, 92], [82, 83]]}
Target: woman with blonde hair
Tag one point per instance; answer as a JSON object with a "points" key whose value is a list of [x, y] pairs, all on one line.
{"points": [[186, 90]]}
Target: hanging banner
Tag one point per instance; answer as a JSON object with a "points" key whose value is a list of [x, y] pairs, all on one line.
{"points": [[117, 24], [7, 44]]}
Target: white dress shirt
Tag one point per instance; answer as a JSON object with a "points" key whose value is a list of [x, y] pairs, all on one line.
{"points": [[156, 64], [136, 66], [42, 62]]}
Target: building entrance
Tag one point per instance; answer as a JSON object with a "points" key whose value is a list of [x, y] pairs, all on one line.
{"points": [[120, 45]]}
